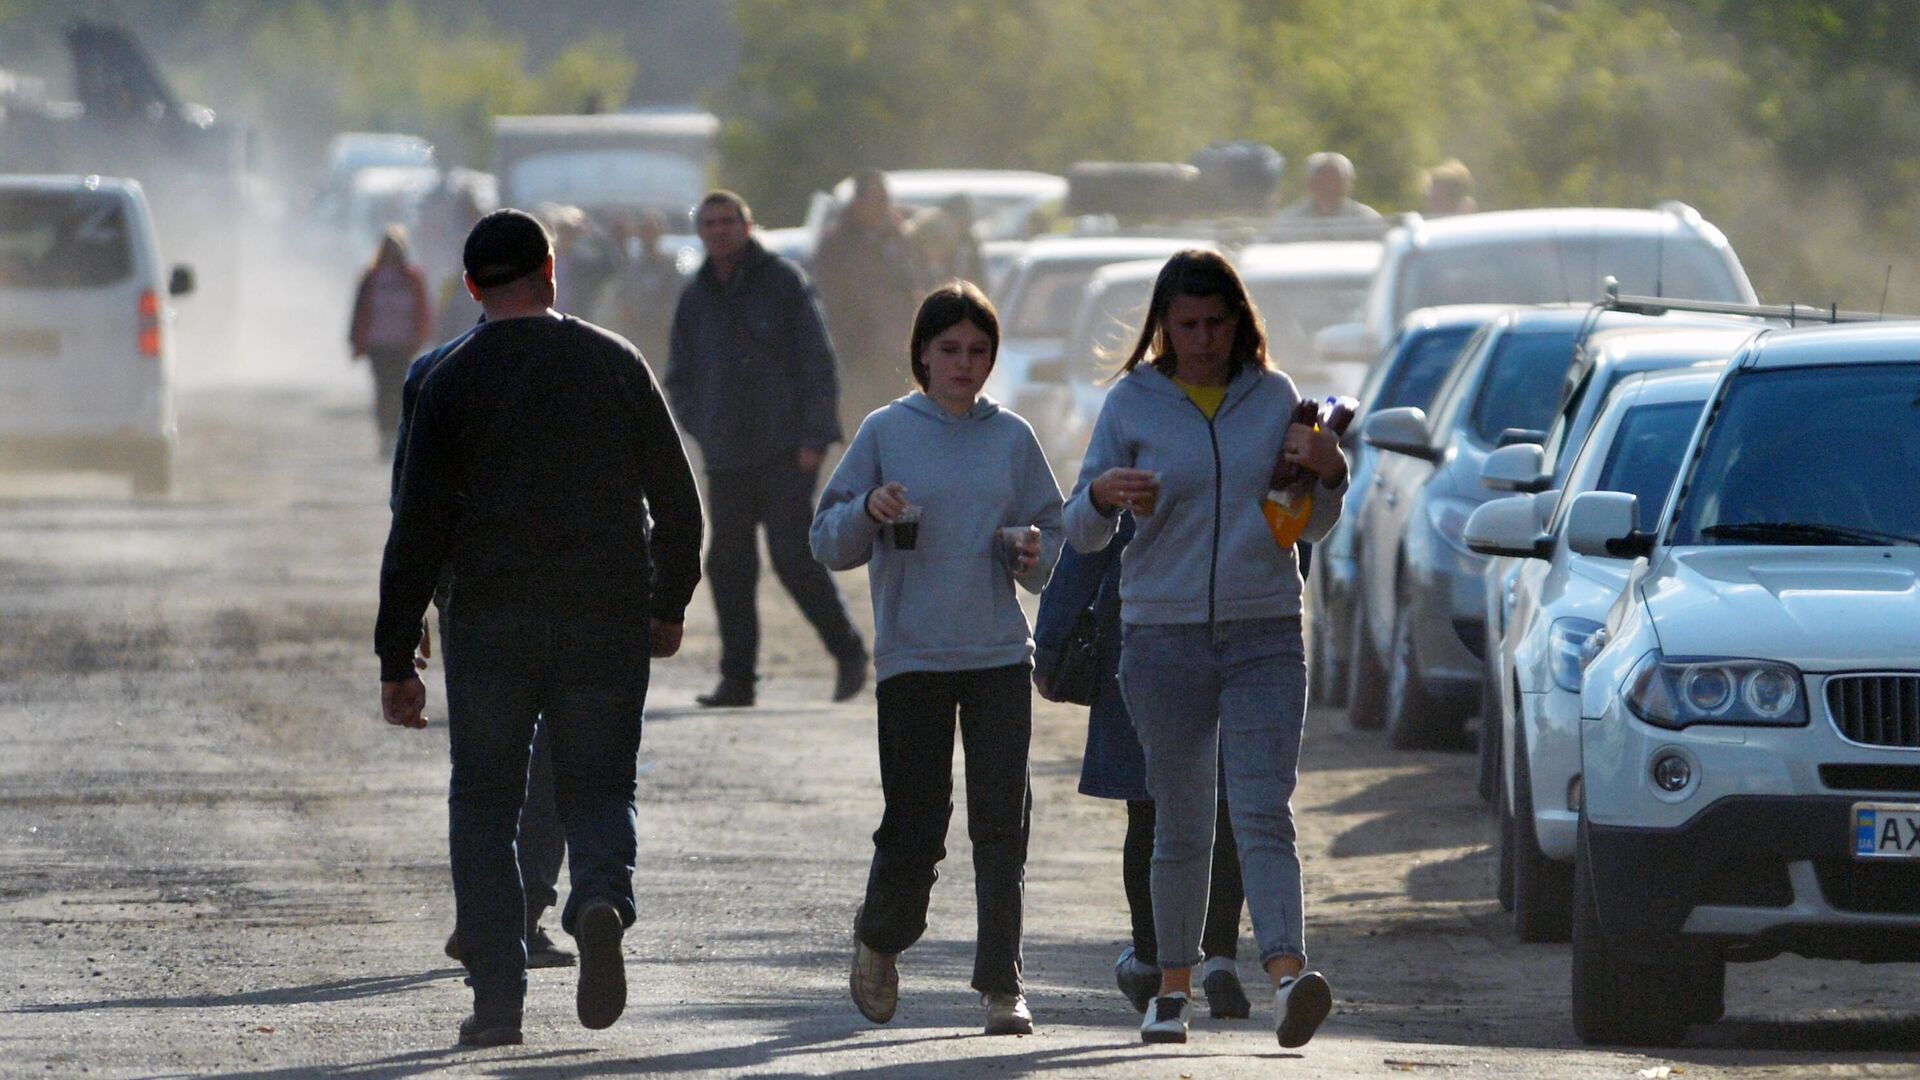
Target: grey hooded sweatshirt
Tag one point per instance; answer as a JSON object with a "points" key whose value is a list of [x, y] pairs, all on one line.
{"points": [[948, 604], [1205, 554]]}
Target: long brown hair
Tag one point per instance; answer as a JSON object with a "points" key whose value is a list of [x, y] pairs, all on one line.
{"points": [[1197, 272]]}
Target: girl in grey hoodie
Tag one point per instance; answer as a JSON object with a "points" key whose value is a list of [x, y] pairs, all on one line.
{"points": [[1211, 658], [950, 638]]}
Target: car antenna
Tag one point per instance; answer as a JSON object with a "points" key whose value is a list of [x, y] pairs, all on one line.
{"points": [[1660, 263], [1884, 286]]}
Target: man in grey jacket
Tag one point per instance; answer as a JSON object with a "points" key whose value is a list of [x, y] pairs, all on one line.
{"points": [[750, 373]]}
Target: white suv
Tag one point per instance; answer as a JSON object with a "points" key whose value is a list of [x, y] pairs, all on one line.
{"points": [[1750, 731], [1558, 600], [86, 351]]}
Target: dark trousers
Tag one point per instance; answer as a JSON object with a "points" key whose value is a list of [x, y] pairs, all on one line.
{"points": [[779, 496], [1221, 936], [917, 711], [587, 683], [542, 843], [389, 379]]}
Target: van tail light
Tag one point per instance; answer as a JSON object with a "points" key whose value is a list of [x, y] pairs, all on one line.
{"points": [[150, 324]]}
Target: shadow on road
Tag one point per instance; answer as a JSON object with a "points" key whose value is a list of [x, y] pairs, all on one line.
{"points": [[333, 990]]}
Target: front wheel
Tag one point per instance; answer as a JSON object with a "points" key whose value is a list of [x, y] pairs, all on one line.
{"points": [[1366, 680], [1326, 681], [1489, 742], [1415, 719], [1617, 1002], [1542, 888], [152, 473]]}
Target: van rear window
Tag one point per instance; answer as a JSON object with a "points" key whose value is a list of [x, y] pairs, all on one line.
{"points": [[62, 240]]}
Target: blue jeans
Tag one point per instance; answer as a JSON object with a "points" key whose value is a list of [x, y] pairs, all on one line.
{"points": [[1237, 690], [587, 684]]}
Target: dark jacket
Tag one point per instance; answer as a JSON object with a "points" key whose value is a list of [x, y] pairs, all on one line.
{"points": [[542, 463], [1113, 766], [750, 371]]}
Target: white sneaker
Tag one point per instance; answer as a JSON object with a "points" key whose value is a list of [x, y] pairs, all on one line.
{"points": [[1166, 1019], [1299, 1004], [1007, 1014]]}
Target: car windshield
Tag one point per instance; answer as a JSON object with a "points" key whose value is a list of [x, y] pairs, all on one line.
{"points": [[1294, 311], [1568, 268], [1645, 455], [62, 240], [1809, 456], [1420, 369], [1522, 385], [1049, 300]]}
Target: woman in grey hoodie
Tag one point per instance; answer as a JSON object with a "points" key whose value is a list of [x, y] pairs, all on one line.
{"points": [[1211, 661], [949, 501]]}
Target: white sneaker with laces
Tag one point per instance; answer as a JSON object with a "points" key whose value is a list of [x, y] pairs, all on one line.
{"points": [[1166, 1019], [1299, 1005], [1007, 1014]]}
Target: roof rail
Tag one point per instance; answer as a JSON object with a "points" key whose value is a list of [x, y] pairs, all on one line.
{"points": [[1791, 313]]}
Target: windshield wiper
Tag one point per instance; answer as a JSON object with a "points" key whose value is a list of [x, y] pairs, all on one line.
{"points": [[1799, 532]]}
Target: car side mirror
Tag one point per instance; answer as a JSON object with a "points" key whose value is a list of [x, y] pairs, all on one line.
{"points": [[1520, 467], [180, 282], [1508, 527], [1601, 523], [1344, 341], [1514, 436], [1401, 431], [1051, 370]]}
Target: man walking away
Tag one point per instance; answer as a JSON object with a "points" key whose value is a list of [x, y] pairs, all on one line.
{"points": [[865, 267], [543, 465], [751, 375], [541, 842]]}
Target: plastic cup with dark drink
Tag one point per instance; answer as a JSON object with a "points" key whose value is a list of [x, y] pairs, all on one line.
{"points": [[906, 529]]}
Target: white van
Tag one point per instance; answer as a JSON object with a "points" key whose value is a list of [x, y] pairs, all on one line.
{"points": [[86, 350]]}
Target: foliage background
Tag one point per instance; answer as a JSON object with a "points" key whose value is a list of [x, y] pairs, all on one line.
{"points": [[1790, 123]]}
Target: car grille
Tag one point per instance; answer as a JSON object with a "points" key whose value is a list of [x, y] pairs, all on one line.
{"points": [[1877, 710], [1892, 779]]}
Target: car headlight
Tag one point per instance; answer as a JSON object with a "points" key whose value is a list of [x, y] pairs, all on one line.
{"points": [[1448, 515], [1571, 645], [1680, 691]]}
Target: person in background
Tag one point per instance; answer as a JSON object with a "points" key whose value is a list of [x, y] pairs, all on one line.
{"points": [[533, 421], [392, 319], [1329, 178], [868, 286], [1447, 189], [1112, 768], [1212, 663], [638, 302], [948, 500], [750, 373]]}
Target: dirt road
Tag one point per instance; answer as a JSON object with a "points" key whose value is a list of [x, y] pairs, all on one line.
{"points": [[214, 859]]}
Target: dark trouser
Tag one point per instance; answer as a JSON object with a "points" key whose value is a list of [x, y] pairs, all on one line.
{"points": [[389, 379], [778, 495], [585, 681], [1224, 900], [917, 709], [543, 843]]}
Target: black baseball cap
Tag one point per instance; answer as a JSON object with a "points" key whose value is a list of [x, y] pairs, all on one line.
{"points": [[504, 246]]}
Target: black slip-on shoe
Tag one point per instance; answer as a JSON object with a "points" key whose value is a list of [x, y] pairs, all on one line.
{"points": [[1299, 1005], [1226, 998], [728, 695], [1137, 981], [601, 995], [477, 1030]]}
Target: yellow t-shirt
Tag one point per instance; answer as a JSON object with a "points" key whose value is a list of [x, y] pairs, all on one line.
{"points": [[1208, 398]]}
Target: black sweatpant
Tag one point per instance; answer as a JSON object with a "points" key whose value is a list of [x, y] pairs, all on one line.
{"points": [[917, 711], [778, 495], [1225, 897]]}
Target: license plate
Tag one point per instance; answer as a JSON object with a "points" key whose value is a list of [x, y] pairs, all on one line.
{"points": [[34, 343], [1886, 831]]}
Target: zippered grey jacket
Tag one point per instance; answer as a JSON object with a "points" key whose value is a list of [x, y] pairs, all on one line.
{"points": [[1205, 555], [948, 604]]}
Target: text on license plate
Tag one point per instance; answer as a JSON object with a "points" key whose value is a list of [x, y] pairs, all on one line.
{"points": [[1886, 831]]}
